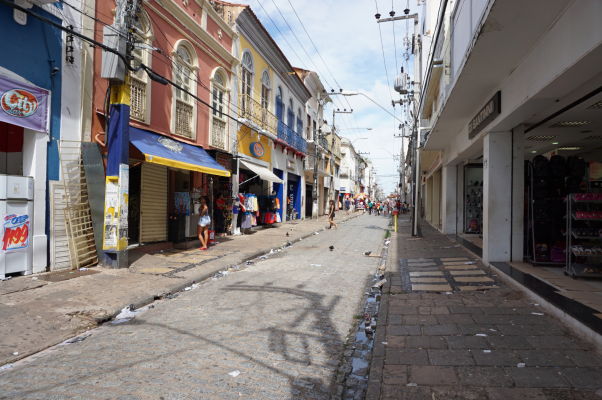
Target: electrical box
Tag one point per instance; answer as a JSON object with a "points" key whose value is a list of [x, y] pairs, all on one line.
{"points": [[113, 67]]}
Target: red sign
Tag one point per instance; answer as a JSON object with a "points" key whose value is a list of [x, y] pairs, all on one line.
{"points": [[16, 232], [257, 149], [19, 103]]}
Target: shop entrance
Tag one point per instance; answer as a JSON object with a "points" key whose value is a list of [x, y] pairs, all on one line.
{"points": [[293, 200], [473, 199], [134, 205], [309, 200]]}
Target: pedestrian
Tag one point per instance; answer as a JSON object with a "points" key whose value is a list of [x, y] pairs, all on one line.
{"points": [[203, 226], [347, 205], [331, 213]]}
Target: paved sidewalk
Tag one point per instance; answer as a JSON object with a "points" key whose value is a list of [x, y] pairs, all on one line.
{"points": [[38, 312], [448, 328]]}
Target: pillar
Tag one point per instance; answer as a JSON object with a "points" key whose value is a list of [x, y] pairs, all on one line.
{"points": [[497, 196], [448, 199], [460, 198], [34, 164], [518, 192]]}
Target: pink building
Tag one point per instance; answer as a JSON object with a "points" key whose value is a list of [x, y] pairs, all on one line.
{"points": [[193, 47]]}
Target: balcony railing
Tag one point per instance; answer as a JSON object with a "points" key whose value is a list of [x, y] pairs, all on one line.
{"points": [[183, 119], [291, 137], [323, 142], [253, 111], [218, 134]]}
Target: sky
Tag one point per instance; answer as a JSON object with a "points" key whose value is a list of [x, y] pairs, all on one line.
{"points": [[349, 56]]}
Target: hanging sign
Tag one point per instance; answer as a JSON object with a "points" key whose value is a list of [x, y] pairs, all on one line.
{"points": [[24, 105], [488, 113], [16, 232], [257, 149]]}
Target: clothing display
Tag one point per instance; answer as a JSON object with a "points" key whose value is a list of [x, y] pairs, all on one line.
{"points": [[256, 210]]}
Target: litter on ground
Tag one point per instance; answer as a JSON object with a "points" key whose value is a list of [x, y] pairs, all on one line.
{"points": [[234, 373]]}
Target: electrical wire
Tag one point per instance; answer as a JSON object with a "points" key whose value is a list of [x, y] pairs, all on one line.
{"points": [[319, 54], [382, 47], [286, 40]]}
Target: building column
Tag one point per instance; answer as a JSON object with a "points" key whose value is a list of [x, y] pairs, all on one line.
{"points": [[518, 192], [459, 198], [448, 199], [497, 196], [35, 145]]}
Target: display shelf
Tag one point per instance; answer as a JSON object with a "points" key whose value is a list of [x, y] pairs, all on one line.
{"points": [[586, 270], [584, 237], [581, 254], [577, 245], [585, 219]]}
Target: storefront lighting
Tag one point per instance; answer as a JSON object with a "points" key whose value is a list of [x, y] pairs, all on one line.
{"points": [[569, 148], [541, 138], [595, 106], [554, 142], [570, 124], [533, 151]]}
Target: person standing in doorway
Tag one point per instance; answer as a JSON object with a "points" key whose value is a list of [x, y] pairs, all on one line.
{"points": [[203, 227], [331, 213]]}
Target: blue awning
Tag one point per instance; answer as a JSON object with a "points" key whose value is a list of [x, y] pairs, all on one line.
{"points": [[158, 149]]}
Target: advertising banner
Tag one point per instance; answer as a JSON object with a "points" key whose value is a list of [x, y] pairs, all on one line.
{"points": [[24, 105]]}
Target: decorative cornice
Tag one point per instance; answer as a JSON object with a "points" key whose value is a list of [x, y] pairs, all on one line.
{"points": [[185, 19], [216, 17]]}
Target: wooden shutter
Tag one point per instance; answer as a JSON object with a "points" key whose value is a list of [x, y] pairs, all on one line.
{"points": [[153, 203]]}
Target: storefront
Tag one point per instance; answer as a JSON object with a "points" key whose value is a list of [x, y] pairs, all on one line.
{"points": [[24, 128], [168, 178], [288, 165], [257, 202]]}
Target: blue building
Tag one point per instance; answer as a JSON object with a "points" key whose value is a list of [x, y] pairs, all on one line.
{"points": [[32, 115]]}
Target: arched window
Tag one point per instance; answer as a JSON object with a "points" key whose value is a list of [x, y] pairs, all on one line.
{"points": [[299, 122], [265, 90], [140, 85], [247, 82], [218, 100], [184, 71], [279, 105], [290, 118]]}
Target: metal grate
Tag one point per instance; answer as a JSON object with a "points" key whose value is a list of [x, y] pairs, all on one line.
{"points": [[138, 99], [183, 119], [77, 213], [218, 134]]}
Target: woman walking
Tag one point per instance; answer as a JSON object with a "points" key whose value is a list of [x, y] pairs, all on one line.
{"points": [[203, 227], [331, 213]]}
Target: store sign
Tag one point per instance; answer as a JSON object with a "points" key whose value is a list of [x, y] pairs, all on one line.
{"points": [[171, 144], [488, 113], [257, 149], [16, 232], [24, 105]]}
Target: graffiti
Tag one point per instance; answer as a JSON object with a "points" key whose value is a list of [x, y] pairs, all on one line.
{"points": [[16, 232]]}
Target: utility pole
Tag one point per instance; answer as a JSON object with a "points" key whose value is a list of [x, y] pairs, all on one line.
{"points": [[119, 36], [416, 120]]}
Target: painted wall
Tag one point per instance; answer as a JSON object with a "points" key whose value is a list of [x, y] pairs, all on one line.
{"points": [[259, 66], [167, 30], [34, 62], [247, 136]]}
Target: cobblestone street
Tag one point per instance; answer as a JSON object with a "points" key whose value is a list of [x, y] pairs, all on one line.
{"points": [[273, 330]]}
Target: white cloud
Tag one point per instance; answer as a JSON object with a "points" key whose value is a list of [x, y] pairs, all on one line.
{"points": [[347, 37]]}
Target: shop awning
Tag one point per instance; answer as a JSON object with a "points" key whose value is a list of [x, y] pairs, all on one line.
{"points": [[262, 172], [158, 149]]}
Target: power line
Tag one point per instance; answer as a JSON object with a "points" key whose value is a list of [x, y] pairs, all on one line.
{"points": [[275, 25], [382, 47]]}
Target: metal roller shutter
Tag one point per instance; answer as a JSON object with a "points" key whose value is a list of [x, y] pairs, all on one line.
{"points": [[153, 207]]}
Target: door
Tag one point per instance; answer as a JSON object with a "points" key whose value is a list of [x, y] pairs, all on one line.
{"points": [[134, 205], [153, 203]]}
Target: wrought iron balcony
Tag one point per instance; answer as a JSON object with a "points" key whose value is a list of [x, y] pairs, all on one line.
{"points": [[291, 137], [253, 111]]}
